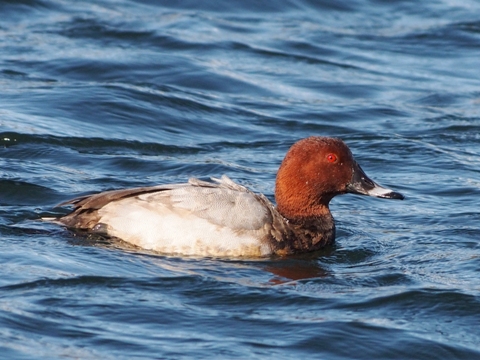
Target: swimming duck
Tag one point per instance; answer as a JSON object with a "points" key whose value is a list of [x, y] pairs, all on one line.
{"points": [[222, 218]]}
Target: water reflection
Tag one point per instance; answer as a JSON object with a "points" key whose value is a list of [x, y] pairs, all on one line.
{"points": [[298, 267]]}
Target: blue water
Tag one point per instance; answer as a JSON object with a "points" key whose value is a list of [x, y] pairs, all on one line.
{"points": [[98, 95]]}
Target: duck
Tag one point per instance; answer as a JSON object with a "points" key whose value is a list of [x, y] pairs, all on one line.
{"points": [[220, 218]]}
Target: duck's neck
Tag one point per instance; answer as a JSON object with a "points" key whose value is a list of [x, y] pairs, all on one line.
{"points": [[311, 233], [308, 229], [305, 207]]}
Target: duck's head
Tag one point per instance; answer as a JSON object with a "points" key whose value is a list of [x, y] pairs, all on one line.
{"points": [[315, 170]]}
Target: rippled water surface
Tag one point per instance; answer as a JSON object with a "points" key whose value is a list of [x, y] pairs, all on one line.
{"points": [[98, 95]]}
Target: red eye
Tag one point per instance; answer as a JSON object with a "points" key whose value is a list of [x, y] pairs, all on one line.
{"points": [[332, 158]]}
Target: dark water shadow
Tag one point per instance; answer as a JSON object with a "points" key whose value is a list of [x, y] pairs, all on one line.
{"points": [[298, 267]]}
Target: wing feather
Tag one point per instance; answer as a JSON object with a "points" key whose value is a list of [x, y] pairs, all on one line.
{"points": [[222, 202]]}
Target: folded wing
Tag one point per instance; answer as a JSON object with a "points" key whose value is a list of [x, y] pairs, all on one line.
{"points": [[196, 218]]}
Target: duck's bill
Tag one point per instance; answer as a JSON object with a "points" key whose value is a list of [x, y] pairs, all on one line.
{"points": [[363, 185]]}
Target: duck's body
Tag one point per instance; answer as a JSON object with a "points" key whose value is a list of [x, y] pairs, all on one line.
{"points": [[196, 218], [226, 219]]}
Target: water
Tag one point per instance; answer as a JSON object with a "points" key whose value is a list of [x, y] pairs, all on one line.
{"points": [[99, 95]]}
